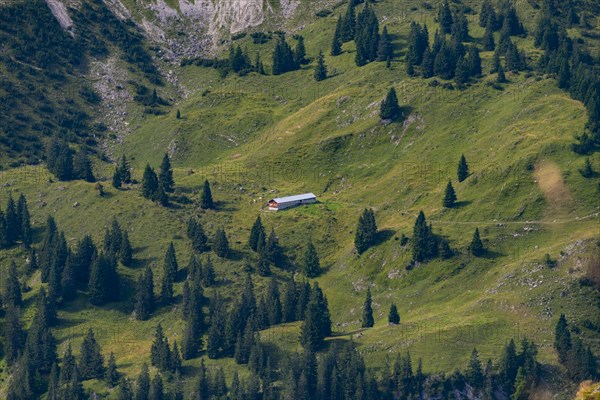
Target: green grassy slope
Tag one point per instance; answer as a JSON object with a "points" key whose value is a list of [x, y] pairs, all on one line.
{"points": [[256, 137]]}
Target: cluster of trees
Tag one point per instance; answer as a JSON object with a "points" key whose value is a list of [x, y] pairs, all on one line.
{"points": [[155, 187], [64, 164], [15, 223], [364, 30], [162, 356], [286, 59], [578, 359], [390, 109], [268, 249], [366, 231], [573, 66], [122, 173], [117, 245]]}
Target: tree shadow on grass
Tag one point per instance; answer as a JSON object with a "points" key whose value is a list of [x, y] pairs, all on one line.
{"points": [[383, 236], [463, 203]]}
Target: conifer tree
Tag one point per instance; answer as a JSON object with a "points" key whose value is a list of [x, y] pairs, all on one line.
{"points": [[53, 384], [178, 114], [445, 17], [156, 391], [428, 63], [144, 295], [488, 41], [300, 52], [487, 14], [367, 318], [124, 390], [449, 196], [221, 244], [312, 266], [289, 301], [390, 109], [366, 231], [82, 166], [393, 315], [273, 303], [104, 280], [160, 352], [206, 200], [384, 51], [424, 242], [12, 296], [321, 69], [125, 251], [444, 65], [349, 24], [255, 232], [149, 183], [474, 62], [336, 43], [83, 258], [68, 280], [13, 226], [4, 242], [195, 233], [215, 342], [112, 375], [175, 362], [562, 339], [59, 159], [474, 372], [208, 273], [91, 362], [124, 170], [24, 221], [476, 246], [165, 175], [143, 384], [463, 169], [14, 336]]}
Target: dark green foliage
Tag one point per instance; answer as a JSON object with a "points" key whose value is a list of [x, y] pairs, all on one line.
{"points": [[283, 57], [461, 74], [348, 24], [487, 15], [91, 362], [59, 159], [390, 109], [449, 196], [562, 339], [82, 166], [393, 316], [460, 26], [194, 327], [156, 391], [366, 36], [445, 62], [300, 52], [24, 221], [366, 231], [273, 303], [178, 114], [165, 175], [142, 384], [122, 173], [149, 183], [312, 266], [428, 64], [11, 291], [103, 285], [587, 171], [509, 365], [445, 17], [206, 199], [488, 41], [221, 244], [13, 225], [68, 280], [418, 42], [195, 233], [320, 69], [14, 336], [124, 390], [215, 343], [161, 355], [170, 268], [367, 315], [474, 372], [501, 78], [125, 251], [424, 242], [317, 322], [208, 273], [476, 247], [258, 65], [144, 295], [255, 232], [474, 62], [463, 169], [385, 50], [336, 42], [112, 376], [4, 242], [83, 258], [239, 61]]}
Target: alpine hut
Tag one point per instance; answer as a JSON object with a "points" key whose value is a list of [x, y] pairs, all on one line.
{"points": [[291, 201]]}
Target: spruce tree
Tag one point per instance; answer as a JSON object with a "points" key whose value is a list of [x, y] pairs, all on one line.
{"points": [[124, 390], [367, 317], [300, 52], [321, 69], [206, 200], [160, 352], [476, 246], [11, 293], [14, 336], [393, 316], [221, 244], [165, 175], [82, 166], [424, 242], [336, 42], [273, 303], [562, 339], [488, 41], [149, 183], [24, 221], [463, 169], [449, 196], [195, 233], [312, 266], [445, 17], [68, 280], [103, 285], [474, 62], [208, 273], [474, 372], [143, 384], [427, 65], [384, 51], [13, 225], [125, 252], [349, 24], [112, 375], [4, 242], [144, 295], [390, 109], [116, 179], [124, 170], [156, 391], [366, 231], [255, 232], [91, 362]]}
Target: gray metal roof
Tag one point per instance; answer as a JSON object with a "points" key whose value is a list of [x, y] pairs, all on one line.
{"points": [[298, 197]]}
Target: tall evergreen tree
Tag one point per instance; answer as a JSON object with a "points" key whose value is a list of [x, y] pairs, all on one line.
{"points": [[24, 221], [476, 246], [165, 175], [312, 266], [125, 252], [336, 42], [143, 384], [488, 42], [112, 375], [91, 362], [14, 336], [445, 17], [393, 315], [424, 242], [156, 391], [82, 166], [149, 183], [562, 339], [160, 351], [320, 69], [221, 244], [367, 318], [104, 280], [390, 109], [366, 231], [255, 232], [449, 196], [349, 24], [384, 51], [144, 295], [300, 52], [206, 199], [474, 372], [124, 390], [11, 292], [13, 225], [463, 169], [195, 233]]}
